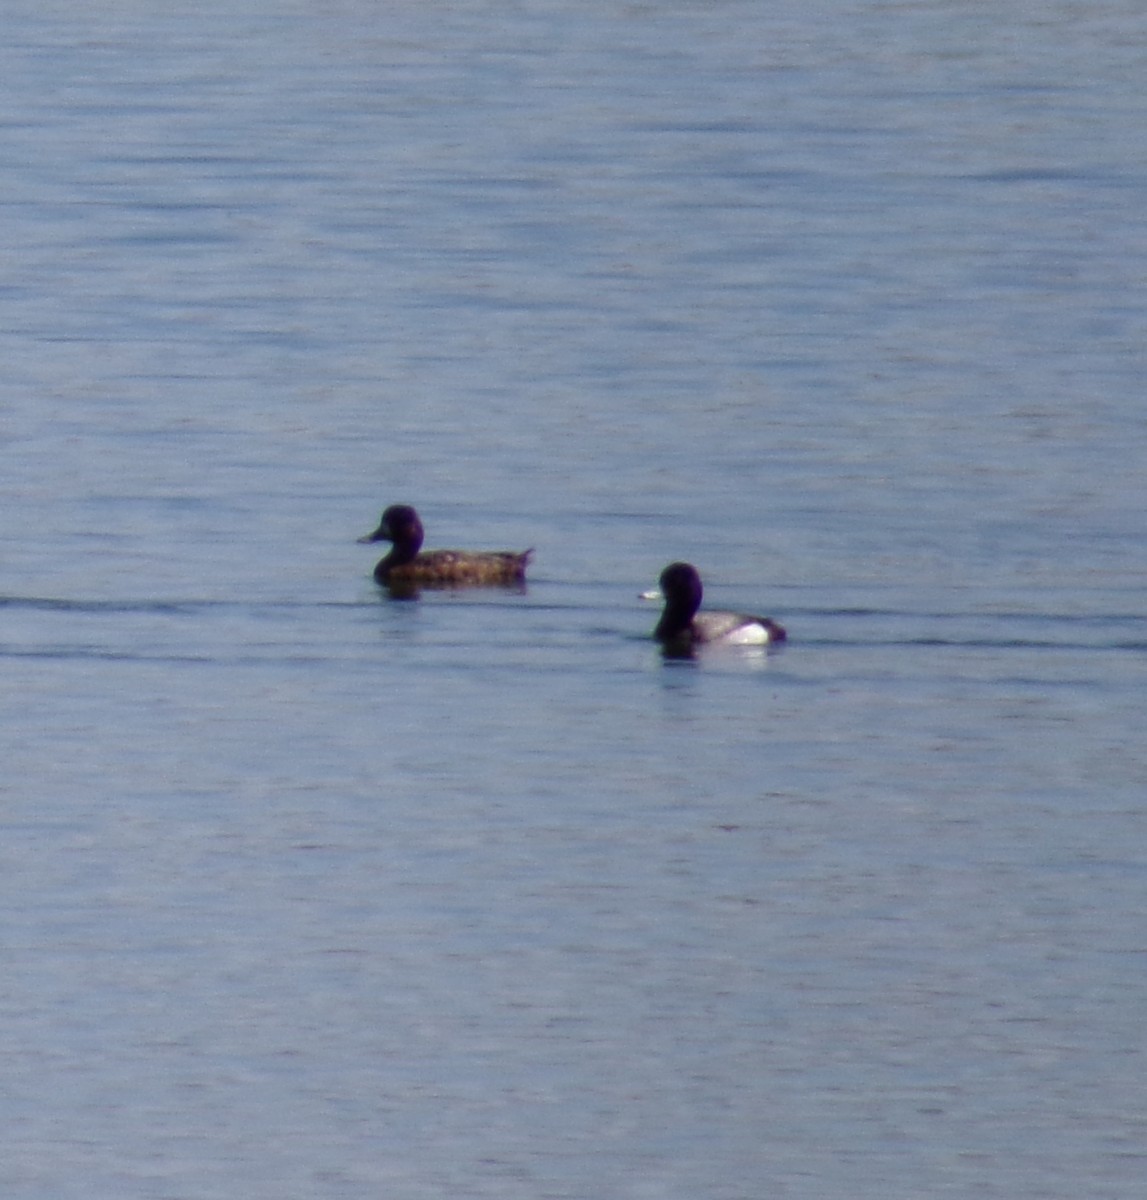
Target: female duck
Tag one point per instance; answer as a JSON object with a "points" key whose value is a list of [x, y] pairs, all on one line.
{"points": [[404, 566], [682, 627]]}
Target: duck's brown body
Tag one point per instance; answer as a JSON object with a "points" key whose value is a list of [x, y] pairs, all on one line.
{"points": [[456, 568], [407, 566]]}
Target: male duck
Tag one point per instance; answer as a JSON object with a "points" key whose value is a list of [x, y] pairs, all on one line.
{"points": [[405, 567], [682, 627]]}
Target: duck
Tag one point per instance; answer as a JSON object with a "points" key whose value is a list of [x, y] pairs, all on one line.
{"points": [[407, 566], [682, 626]]}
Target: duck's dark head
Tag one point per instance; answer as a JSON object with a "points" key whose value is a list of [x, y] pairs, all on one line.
{"points": [[400, 525], [681, 587]]}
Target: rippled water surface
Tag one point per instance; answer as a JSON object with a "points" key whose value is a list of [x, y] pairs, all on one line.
{"points": [[311, 892]]}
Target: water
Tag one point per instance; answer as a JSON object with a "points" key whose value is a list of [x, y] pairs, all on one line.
{"points": [[308, 893]]}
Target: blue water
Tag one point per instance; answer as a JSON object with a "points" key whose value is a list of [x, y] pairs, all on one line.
{"points": [[307, 892]]}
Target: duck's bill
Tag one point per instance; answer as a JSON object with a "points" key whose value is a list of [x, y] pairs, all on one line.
{"points": [[377, 536], [652, 594]]}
